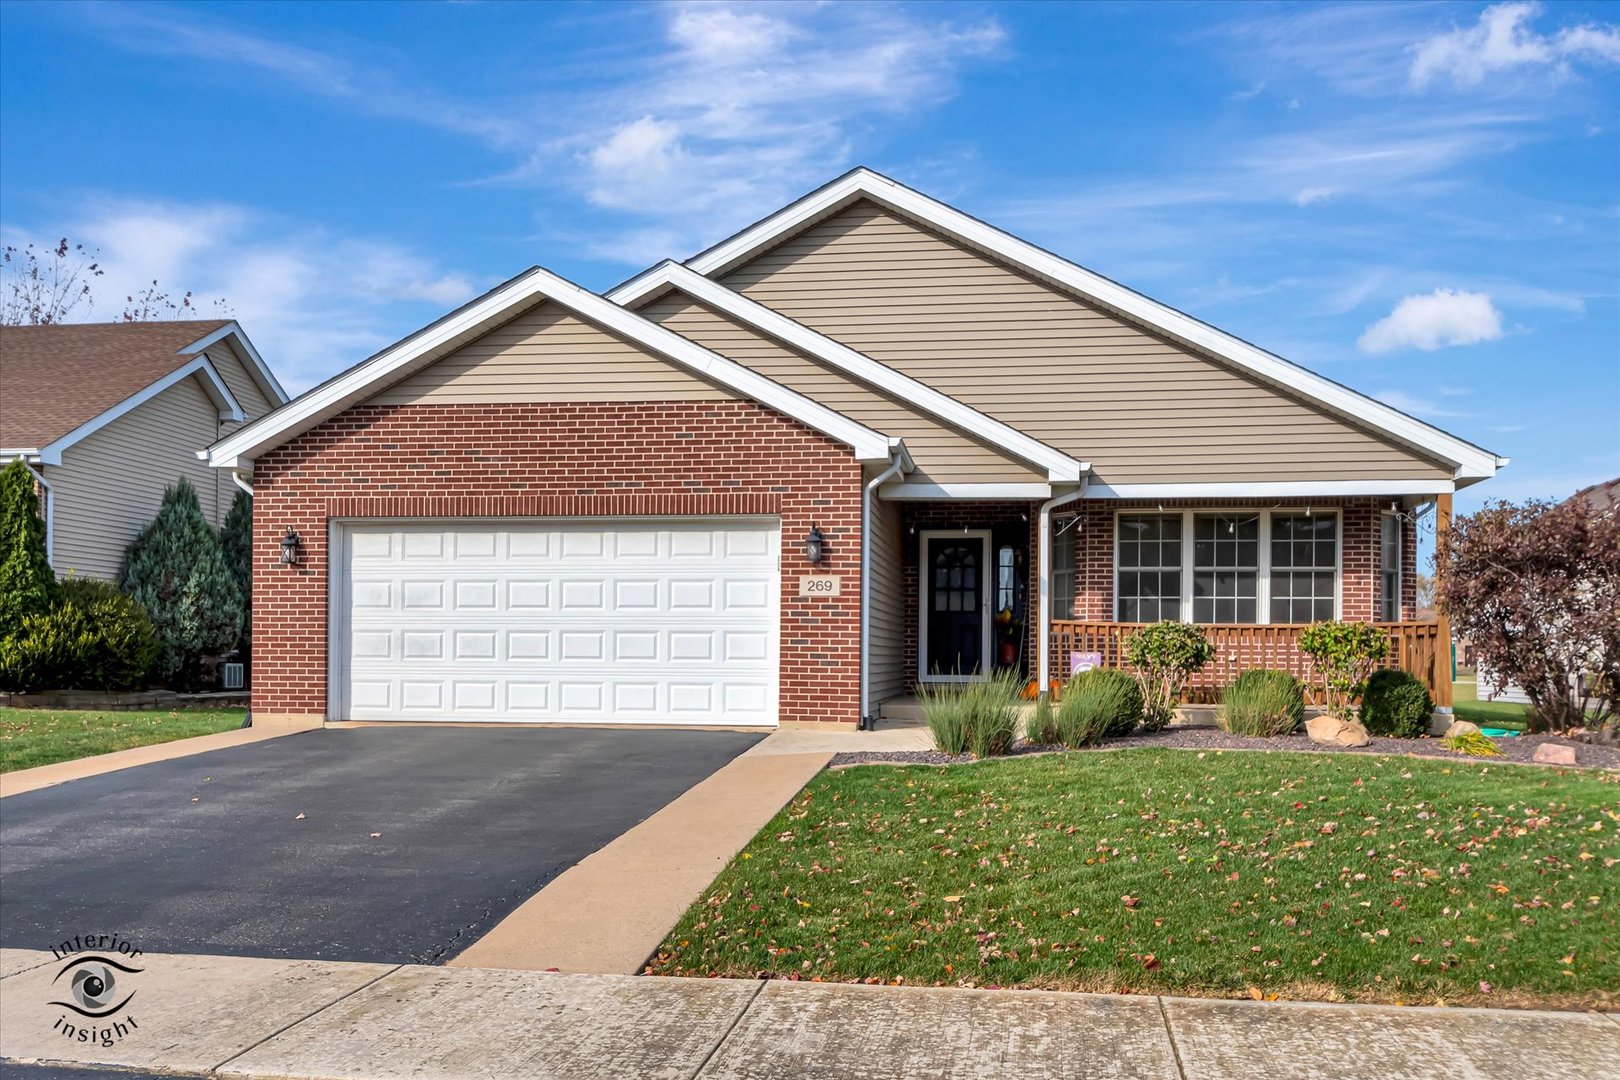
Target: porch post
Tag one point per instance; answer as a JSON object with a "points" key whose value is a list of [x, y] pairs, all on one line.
{"points": [[1442, 662]]}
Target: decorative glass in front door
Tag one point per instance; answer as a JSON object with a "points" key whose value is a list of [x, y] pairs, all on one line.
{"points": [[954, 568]]}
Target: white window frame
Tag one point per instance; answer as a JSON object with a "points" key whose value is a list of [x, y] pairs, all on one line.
{"points": [[925, 600], [1263, 558], [1063, 533], [1385, 518]]}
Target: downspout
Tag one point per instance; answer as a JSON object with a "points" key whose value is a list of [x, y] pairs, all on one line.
{"points": [[50, 513], [241, 483], [868, 721], [1045, 548]]}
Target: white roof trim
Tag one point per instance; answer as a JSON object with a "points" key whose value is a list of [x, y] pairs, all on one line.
{"points": [[909, 490], [1471, 462], [213, 386], [1268, 489], [671, 275], [258, 370], [535, 285]]}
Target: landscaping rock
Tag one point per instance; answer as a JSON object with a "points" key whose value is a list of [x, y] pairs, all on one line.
{"points": [[1336, 731], [1461, 727], [1554, 754]]}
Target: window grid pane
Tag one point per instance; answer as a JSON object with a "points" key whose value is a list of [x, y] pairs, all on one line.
{"points": [[1148, 577], [1063, 570], [1389, 601], [1226, 578], [1304, 554]]}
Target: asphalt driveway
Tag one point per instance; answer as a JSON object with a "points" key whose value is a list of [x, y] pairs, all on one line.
{"points": [[391, 845]]}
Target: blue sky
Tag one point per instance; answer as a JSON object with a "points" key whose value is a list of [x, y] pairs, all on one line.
{"points": [[1422, 201]]}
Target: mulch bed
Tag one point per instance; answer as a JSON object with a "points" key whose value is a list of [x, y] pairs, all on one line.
{"points": [[1517, 750]]}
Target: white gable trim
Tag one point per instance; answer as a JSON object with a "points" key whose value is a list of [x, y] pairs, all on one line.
{"points": [[422, 348], [213, 386], [1471, 463], [670, 275], [258, 370]]}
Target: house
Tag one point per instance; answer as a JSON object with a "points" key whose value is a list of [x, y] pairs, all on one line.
{"points": [[866, 443], [109, 414]]}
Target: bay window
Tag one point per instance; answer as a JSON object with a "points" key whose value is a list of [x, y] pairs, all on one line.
{"points": [[1232, 566]]}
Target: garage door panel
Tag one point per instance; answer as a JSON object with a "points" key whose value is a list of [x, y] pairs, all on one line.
{"points": [[645, 622]]}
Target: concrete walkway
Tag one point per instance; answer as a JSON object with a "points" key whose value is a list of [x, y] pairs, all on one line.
{"points": [[230, 1016], [609, 913]]}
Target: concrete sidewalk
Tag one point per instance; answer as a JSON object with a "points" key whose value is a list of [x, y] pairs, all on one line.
{"points": [[236, 1017]]}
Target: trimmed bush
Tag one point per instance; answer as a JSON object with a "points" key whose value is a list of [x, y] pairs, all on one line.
{"points": [[1164, 656], [177, 571], [1262, 703], [1471, 743], [1098, 705], [978, 718], [1342, 655], [1396, 703], [95, 638], [27, 584]]}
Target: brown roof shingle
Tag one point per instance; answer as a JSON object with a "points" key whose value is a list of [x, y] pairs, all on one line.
{"points": [[54, 378]]}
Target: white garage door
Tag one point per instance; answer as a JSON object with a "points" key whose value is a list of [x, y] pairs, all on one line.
{"points": [[659, 621]]}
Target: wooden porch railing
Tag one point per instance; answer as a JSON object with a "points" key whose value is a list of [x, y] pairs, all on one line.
{"points": [[1416, 647]]}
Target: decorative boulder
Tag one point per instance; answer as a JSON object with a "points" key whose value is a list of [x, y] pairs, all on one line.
{"points": [[1554, 754], [1461, 727], [1336, 731]]}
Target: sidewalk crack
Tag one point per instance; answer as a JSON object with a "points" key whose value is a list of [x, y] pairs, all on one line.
{"points": [[313, 1012], [1169, 1033], [759, 988]]}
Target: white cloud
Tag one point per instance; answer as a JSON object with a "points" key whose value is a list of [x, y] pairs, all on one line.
{"points": [[1503, 40], [312, 300], [1306, 196], [1413, 405], [1443, 317]]}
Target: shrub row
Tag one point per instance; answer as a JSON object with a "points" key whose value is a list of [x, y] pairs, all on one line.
{"points": [[94, 637]]}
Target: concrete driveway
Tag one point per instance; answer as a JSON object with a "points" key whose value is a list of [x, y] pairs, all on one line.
{"points": [[389, 845]]}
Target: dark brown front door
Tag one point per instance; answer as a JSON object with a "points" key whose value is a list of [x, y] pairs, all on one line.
{"points": [[953, 569]]}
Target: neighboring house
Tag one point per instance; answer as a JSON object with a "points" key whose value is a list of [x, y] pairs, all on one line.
{"points": [[867, 442], [109, 414]]}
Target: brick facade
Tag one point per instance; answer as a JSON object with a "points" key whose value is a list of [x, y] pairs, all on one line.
{"points": [[543, 460]]}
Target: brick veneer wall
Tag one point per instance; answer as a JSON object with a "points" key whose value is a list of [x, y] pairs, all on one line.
{"points": [[523, 460], [1360, 555]]}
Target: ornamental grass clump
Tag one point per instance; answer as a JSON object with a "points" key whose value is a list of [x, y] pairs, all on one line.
{"points": [[946, 716], [1098, 705], [1343, 655], [1396, 703], [1262, 703], [1042, 728], [1165, 655], [978, 718]]}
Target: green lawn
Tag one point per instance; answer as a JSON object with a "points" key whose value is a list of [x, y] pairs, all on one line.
{"points": [[1467, 706], [1301, 875], [30, 737]]}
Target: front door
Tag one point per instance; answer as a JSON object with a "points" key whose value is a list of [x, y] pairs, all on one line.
{"points": [[955, 606]]}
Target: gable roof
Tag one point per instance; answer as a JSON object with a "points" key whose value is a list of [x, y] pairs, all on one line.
{"points": [[1470, 463], [534, 286], [669, 275], [62, 382]]}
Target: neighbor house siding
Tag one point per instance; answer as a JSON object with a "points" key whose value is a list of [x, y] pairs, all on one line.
{"points": [[111, 483], [233, 370], [609, 460], [1141, 409], [549, 355], [887, 600], [943, 455]]}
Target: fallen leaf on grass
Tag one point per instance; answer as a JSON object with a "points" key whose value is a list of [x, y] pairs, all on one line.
{"points": [[953, 899], [1130, 901]]}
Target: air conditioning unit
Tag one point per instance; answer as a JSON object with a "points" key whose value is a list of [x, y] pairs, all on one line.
{"points": [[231, 675]]}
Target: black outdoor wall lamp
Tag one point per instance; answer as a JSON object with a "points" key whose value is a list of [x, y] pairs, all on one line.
{"points": [[813, 544], [292, 549]]}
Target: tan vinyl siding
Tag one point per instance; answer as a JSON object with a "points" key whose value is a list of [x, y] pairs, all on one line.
{"points": [[887, 600], [1141, 409], [233, 370], [547, 354], [943, 454], [111, 483]]}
